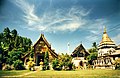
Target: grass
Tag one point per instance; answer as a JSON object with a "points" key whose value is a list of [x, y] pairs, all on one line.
{"points": [[13, 72], [77, 74], [96, 73]]}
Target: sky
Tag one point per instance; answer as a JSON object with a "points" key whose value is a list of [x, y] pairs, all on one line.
{"points": [[62, 21]]}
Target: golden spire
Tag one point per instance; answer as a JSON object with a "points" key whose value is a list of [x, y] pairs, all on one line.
{"points": [[105, 31], [105, 38]]}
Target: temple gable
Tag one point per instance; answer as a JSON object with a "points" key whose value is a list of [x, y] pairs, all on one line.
{"points": [[40, 47], [79, 57]]}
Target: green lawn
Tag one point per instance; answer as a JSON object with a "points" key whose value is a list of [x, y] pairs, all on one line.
{"points": [[13, 72], [63, 74]]}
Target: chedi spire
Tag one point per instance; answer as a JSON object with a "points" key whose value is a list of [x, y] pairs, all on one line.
{"points": [[106, 39]]}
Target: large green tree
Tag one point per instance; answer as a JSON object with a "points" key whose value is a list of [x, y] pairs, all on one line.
{"points": [[13, 46], [93, 53], [14, 33]]}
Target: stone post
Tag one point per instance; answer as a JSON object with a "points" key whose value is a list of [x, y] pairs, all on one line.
{"points": [[41, 65]]}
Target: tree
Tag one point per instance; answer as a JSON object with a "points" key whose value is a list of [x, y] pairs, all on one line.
{"points": [[28, 42], [1, 55], [13, 56], [14, 33], [21, 41], [56, 64], [94, 45], [93, 53], [1, 38], [65, 61], [92, 50], [1, 58], [16, 42], [6, 38], [6, 33], [46, 60], [32, 52], [91, 57], [13, 47], [18, 65]]}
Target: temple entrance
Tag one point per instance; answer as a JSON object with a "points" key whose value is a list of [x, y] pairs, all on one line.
{"points": [[39, 58], [81, 63]]}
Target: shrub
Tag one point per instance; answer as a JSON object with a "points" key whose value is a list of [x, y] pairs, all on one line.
{"points": [[30, 64], [117, 64], [18, 65], [73, 67], [1, 61], [6, 67], [65, 61], [56, 65], [69, 65]]}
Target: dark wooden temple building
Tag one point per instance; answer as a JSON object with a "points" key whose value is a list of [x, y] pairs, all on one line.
{"points": [[80, 52], [79, 56], [40, 47]]}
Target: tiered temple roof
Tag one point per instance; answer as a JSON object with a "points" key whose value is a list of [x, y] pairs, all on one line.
{"points": [[107, 53], [106, 41], [42, 39], [80, 52]]}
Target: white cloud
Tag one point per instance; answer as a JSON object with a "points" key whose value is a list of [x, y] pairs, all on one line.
{"points": [[52, 21], [70, 26], [75, 11], [71, 19], [62, 20], [29, 11]]}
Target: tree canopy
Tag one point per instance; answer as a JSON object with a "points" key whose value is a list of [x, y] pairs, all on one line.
{"points": [[93, 53], [13, 46], [64, 62]]}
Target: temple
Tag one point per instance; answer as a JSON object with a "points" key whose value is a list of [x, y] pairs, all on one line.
{"points": [[108, 52], [79, 57], [105, 45], [40, 47]]}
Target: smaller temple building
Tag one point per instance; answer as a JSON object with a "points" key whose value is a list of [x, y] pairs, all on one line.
{"points": [[79, 57], [108, 52]]}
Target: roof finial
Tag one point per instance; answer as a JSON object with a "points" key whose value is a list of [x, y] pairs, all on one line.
{"points": [[81, 42], [42, 33], [105, 29]]}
